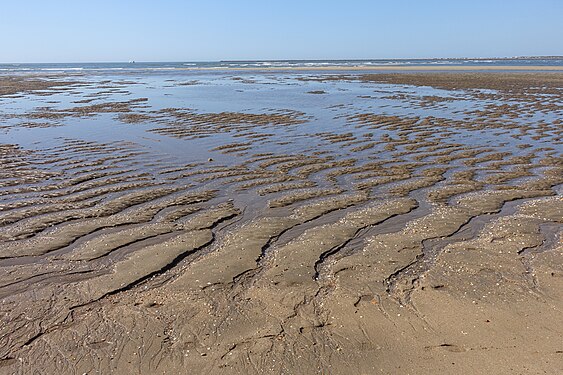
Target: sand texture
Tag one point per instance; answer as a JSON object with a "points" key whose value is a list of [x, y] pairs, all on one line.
{"points": [[281, 223]]}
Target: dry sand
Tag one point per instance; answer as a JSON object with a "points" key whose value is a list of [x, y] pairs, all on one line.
{"points": [[416, 254]]}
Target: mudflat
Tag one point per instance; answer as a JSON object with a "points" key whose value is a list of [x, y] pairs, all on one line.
{"points": [[281, 222]]}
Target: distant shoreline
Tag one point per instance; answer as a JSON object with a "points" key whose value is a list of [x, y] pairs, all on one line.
{"points": [[392, 68], [359, 60], [554, 57]]}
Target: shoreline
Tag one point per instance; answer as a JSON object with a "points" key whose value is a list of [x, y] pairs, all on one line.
{"points": [[392, 68]]}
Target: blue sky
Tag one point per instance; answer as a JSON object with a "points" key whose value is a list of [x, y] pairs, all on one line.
{"points": [[174, 30]]}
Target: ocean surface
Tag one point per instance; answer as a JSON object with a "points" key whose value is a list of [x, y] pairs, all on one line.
{"points": [[265, 64]]}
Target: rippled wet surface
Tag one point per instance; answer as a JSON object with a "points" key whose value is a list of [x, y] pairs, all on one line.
{"points": [[226, 221]]}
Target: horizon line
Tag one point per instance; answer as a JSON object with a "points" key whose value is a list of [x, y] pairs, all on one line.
{"points": [[521, 57]]}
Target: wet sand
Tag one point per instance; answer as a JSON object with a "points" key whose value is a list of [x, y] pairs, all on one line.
{"points": [[235, 223]]}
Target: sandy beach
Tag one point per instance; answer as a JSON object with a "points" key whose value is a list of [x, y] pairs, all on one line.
{"points": [[378, 220]]}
